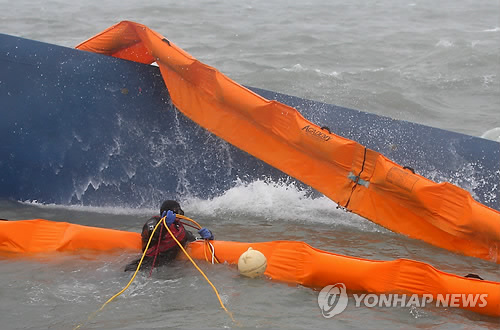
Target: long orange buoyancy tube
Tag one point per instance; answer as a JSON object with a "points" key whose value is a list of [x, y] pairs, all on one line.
{"points": [[360, 179], [34, 236], [287, 261]]}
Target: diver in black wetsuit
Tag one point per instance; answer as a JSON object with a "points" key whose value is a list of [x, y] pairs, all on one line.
{"points": [[164, 250]]}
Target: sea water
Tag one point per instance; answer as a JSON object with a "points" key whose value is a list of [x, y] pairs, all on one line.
{"points": [[435, 63]]}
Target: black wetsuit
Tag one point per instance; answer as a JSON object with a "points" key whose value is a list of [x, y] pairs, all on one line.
{"points": [[163, 257]]}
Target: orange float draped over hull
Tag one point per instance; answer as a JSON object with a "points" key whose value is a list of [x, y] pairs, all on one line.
{"points": [[287, 261], [359, 179]]}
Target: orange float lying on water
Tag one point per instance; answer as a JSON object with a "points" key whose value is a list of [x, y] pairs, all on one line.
{"points": [[287, 261], [359, 179]]}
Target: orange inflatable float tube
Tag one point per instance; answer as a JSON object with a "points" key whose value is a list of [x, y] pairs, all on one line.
{"points": [[358, 179], [287, 261], [298, 262], [36, 236]]}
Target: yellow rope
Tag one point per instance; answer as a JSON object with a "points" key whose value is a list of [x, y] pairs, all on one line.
{"points": [[205, 251], [206, 244], [180, 216], [210, 248], [91, 316], [201, 272]]}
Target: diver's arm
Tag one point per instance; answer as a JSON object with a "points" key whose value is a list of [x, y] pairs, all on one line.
{"points": [[190, 237], [133, 265]]}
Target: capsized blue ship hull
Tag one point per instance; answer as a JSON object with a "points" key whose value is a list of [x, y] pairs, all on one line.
{"points": [[83, 128]]}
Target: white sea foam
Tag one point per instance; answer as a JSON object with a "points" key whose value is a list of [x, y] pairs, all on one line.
{"points": [[300, 68], [278, 202], [492, 134], [262, 199], [495, 29], [296, 68], [489, 79], [117, 210], [444, 43]]}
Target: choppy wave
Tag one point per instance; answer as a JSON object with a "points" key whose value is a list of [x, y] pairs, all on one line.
{"points": [[492, 134], [115, 210], [299, 68], [277, 202], [260, 199], [444, 43]]}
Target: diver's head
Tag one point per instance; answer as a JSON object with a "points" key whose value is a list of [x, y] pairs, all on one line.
{"points": [[172, 206]]}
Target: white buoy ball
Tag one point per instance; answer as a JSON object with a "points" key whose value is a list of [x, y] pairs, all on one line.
{"points": [[252, 263]]}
